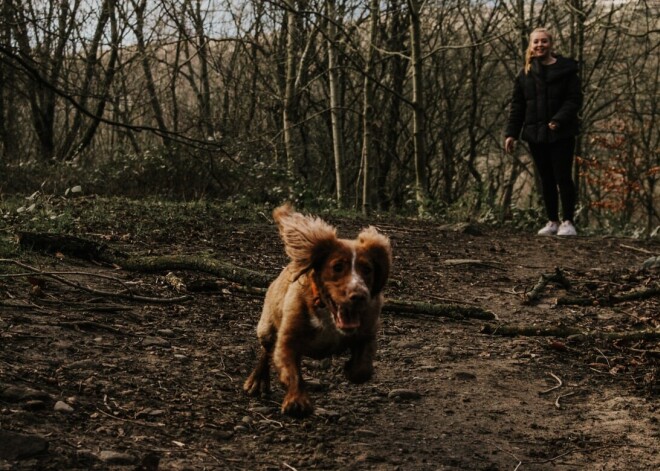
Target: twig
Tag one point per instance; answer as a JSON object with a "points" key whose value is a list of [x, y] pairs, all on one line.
{"points": [[653, 353], [563, 395], [49, 273], [451, 300], [18, 305], [441, 310], [636, 295], [512, 291], [481, 263], [132, 421], [507, 452], [289, 466], [582, 450], [564, 331], [636, 249], [78, 325], [557, 386], [556, 277], [280, 424], [603, 355], [71, 305]]}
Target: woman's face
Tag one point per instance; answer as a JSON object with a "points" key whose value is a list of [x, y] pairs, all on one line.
{"points": [[540, 44]]}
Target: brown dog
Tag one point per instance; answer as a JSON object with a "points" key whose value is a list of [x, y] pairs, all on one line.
{"points": [[328, 299]]}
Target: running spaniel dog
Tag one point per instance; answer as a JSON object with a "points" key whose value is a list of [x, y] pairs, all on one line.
{"points": [[325, 301]]}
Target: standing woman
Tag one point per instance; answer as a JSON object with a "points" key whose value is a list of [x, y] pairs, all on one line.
{"points": [[546, 100]]}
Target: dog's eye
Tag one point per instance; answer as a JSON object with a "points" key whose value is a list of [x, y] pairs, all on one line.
{"points": [[338, 267]]}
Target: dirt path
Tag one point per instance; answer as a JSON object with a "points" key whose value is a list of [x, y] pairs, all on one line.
{"points": [[147, 384]]}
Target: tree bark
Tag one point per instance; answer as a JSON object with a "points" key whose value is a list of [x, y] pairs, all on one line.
{"points": [[202, 47], [288, 108], [150, 84], [419, 109], [336, 113], [368, 111], [77, 132]]}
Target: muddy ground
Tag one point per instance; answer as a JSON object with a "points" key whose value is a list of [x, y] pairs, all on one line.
{"points": [[90, 381]]}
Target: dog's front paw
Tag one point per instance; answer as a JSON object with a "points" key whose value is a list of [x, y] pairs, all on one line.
{"points": [[297, 405], [358, 373], [257, 385]]}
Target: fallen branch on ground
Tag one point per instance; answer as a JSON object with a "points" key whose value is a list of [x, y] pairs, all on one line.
{"points": [[90, 250], [556, 277], [473, 262], [453, 311], [254, 282], [565, 331], [637, 295], [197, 263], [108, 294]]}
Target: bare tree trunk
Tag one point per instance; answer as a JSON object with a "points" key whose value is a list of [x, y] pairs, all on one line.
{"points": [[288, 109], [48, 59], [148, 76], [577, 52], [76, 132], [419, 124], [396, 71], [507, 195], [336, 113], [473, 125], [205, 86], [368, 111], [255, 75], [8, 132], [480, 25]]}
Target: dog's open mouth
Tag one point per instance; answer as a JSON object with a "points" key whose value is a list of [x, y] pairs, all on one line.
{"points": [[346, 319]]}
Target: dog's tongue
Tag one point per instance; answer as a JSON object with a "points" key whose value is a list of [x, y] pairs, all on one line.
{"points": [[345, 321]]}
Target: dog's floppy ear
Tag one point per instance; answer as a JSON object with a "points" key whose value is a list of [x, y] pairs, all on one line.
{"points": [[307, 240], [377, 247]]}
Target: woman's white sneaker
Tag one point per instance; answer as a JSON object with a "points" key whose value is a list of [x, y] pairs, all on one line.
{"points": [[551, 228], [566, 229]]}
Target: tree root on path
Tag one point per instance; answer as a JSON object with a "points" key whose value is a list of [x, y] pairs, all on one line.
{"points": [[452, 311], [252, 282], [563, 331], [128, 295]]}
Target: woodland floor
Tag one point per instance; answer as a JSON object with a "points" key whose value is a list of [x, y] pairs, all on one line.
{"points": [[153, 385]]}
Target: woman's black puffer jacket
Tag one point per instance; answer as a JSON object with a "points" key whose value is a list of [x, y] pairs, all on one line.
{"points": [[547, 93]]}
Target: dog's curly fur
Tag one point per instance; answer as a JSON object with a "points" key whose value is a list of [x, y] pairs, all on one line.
{"points": [[328, 299]]}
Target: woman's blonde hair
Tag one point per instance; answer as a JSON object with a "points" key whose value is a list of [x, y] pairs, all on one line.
{"points": [[529, 53]]}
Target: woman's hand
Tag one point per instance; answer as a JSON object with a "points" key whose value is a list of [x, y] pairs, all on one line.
{"points": [[509, 144], [553, 125]]}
